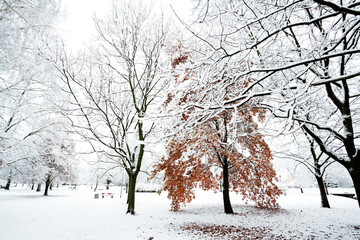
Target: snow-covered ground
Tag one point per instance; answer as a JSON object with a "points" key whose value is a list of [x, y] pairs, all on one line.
{"points": [[76, 215]]}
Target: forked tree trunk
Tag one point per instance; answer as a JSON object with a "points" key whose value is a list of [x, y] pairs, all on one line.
{"points": [[38, 189], [131, 194], [226, 197]]}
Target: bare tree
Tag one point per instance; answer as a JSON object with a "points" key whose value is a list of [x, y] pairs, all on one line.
{"points": [[308, 154], [114, 91]]}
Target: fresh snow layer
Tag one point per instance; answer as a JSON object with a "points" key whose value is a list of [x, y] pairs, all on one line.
{"points": [[77, 215]]}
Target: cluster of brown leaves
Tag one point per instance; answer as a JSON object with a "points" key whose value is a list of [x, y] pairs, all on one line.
{"points": [[194, 159], [230, 232]]}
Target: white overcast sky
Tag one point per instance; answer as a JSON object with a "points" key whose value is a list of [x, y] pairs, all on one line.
{"points": [[78, 24]]}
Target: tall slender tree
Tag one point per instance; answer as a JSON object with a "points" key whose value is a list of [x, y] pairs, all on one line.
{"points": [[116, 90]]}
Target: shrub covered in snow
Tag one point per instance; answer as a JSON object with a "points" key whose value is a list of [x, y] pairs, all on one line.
{"points": [[147, 187]]}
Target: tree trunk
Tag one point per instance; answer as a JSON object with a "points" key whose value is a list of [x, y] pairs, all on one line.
{"points": [[51, 187], [96, 184], [38, 189], [320, 180], [355, 176], [7, 187], [131, 194], [47, 185], [324, 199], [226, 197], [32, 186], [133, 174]]}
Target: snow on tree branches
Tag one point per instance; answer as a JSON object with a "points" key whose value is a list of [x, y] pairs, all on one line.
{"points": [[226, 147]]}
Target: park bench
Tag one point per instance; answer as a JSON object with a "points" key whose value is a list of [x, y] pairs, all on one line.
{"points": [[348, 195], [103, 195]]}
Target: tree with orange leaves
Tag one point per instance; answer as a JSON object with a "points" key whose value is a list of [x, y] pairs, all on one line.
{"points": [[225, 146], [217, 150]]}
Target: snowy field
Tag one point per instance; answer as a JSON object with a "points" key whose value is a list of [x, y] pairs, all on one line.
{"points": [[76, 215]]}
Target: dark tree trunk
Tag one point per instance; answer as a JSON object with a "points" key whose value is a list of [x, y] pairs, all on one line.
{"points": [[225, 166], [133, 173], [353, 168], [131, 194], [47, 185], [38, 189], [355, 176], [226, 197], [7, 187], [51, 187], [32, 186], [319, 178], [324, 198]]}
